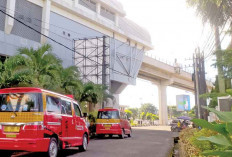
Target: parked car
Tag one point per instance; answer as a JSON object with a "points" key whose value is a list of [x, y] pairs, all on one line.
{"points": [[112, 122], [37, 120]]}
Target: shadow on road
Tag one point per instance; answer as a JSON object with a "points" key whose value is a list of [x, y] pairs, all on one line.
{"points": [[147, 141]]}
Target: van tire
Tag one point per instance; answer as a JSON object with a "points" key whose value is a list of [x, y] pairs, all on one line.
{"points": [[101, 135], [130, 134], [122, 135], [6, 153], [53, 148], [84, 145]]}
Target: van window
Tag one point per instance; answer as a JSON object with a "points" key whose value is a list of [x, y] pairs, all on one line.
{"points": [[66, 107], [53, 104], [77, 110], [108, 115], [21, 102]]}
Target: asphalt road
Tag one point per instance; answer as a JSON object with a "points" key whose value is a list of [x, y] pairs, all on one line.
{"points": [[151, 141]]}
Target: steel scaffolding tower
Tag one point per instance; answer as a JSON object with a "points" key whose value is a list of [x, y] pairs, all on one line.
{"points": [[92, 57]]}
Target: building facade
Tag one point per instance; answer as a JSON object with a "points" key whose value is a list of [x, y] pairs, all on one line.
{"points": [[91, 34]]}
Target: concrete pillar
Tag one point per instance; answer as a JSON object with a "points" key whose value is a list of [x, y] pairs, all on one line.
{"points": [[46, 20], [9, 22], [116, 101], [163, 111]]}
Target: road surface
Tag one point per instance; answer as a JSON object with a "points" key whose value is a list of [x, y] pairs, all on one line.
{"points": [[152, 141]]}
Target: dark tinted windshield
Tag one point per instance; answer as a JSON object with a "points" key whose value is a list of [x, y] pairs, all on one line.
{"points": [[21, 102], [108, 115]]}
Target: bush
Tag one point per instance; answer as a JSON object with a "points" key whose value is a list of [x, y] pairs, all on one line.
{"points": [[187, 149], [192, 147], [202, 145]]}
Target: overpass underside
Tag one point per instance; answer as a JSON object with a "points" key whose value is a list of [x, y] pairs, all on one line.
{"points": [[164, 75]]}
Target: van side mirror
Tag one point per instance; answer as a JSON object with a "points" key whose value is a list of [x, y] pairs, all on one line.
{"points": [[85, 115]]}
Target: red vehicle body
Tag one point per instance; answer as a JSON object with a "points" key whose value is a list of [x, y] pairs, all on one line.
{"points": [[112, 122], [37, 120]]}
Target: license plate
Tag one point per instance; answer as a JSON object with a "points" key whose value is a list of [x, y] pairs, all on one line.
{"points": [[107, 126], [11, 135], [11, 129]]}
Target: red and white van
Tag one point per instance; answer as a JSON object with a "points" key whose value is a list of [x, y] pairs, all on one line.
{"points": [[112, 122], [37, 120]]}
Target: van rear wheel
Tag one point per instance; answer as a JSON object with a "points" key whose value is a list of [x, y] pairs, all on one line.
{"points": [[53, 148], [130, 134], [84, 145], [6, 153], [122, 134]]}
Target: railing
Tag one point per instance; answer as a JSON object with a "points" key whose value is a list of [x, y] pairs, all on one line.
{"points": [[183, 68]]}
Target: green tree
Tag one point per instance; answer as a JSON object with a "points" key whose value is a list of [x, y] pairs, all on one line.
{"points": [[15, 72], [142, 116], [149, 116], [92, 94], [70, 81], [148, 108], [135, 112], [45, 65], [40, 68], [129, 113], [216, 13], [154, 117]]}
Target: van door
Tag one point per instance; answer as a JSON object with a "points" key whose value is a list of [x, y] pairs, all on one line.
{"points": [[53, 114], [127, 124], [122, 122], [67, 121], [80, 124]]}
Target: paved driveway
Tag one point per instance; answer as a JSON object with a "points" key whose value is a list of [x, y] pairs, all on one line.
{"points": [[151, 141]]}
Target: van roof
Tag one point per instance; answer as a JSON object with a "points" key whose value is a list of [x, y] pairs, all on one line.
{"points": [[20, 90], [31, 90], [108, 109]]}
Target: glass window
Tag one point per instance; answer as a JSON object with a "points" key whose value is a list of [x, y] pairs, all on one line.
{"points": [[77, 110], [108, 115], [53, 104], [21, 102], [107, 14], [88, 4], [66, 107]]}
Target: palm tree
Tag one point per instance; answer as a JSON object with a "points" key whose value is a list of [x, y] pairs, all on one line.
{"points": [[70, 81], [45, 65], [15, 72], [92, 94], [89, 95], [216, 12]]}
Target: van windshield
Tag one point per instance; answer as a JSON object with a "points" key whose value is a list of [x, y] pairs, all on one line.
{"points": [[108, 115], [21, 102]]}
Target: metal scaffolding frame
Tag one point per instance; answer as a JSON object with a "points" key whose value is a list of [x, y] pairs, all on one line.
{"points": [[92, 57]]}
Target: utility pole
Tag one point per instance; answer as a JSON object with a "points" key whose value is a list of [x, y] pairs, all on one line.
{"points": [[199, 83], [104, 66], [196, 83]]}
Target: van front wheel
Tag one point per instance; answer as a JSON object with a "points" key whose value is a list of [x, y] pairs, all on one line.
{"points": [[53, 148]]}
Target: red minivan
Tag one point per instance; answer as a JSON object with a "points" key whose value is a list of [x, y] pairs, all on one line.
{"points": [[37, 120], [112, 122]]}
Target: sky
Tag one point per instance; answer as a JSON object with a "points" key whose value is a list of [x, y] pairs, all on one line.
{"points": [[176, 32]]}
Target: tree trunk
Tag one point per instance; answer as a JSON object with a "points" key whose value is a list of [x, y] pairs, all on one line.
{"points": [[221, 79], [91, 107]]}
